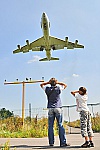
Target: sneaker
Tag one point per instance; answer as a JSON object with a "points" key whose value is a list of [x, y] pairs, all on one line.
{"points": [[85, 145], [64, 145], [91, 144]]}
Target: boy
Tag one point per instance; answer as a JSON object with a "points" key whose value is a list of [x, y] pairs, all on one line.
{"points": [[85, 116]]}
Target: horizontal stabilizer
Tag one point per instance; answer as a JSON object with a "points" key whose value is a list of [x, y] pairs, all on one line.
{"points": [[46, 59], [53, 58]]}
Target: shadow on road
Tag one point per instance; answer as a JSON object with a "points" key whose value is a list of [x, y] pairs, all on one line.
{"points": [[40, 147]]}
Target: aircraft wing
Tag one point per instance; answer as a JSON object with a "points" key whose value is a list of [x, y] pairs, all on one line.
{"points": [[34, 46], [16, 51], [57, 43], [79, 46], [72, 45], [38, 45], [60, 44], [23, 49]]}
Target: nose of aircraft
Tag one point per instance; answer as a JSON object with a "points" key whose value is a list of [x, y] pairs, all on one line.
{"points": [[44, 14]]}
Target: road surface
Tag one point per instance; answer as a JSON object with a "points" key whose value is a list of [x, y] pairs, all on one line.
{"points": [[42, 143]]}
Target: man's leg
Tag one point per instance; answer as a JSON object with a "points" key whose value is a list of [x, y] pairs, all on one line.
{"points": [[62, 137], [51, 118]]}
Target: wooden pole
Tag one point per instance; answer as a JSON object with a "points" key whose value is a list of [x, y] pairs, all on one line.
{"points": [[23, 102], [23, 93]]}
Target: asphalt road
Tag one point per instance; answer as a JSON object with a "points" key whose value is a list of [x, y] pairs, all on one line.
{"points": [[42, 143]]}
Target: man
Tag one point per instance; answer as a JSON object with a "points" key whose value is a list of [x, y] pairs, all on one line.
{"points": [[54, 109]]}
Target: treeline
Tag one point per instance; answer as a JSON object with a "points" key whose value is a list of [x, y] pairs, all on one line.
{"points": [[4, 114]]}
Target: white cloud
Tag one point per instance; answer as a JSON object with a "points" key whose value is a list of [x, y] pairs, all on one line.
{"points": [[75, 75], [65, 79], [35, 58]]}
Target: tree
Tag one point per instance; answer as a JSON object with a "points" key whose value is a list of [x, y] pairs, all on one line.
{"points": [[5, 113]]}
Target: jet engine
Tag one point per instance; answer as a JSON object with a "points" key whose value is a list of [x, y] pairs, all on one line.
{"points": [[41, 48], [27, 42], [66, 40], [53, 47], [76, 42], [18, 47]]}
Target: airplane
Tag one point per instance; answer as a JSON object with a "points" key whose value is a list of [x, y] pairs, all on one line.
{"points": [[47, 42]]}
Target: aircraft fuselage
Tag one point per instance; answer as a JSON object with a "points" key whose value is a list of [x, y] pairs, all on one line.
{"points": [[45, 25]]}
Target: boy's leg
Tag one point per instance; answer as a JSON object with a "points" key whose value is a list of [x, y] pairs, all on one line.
{"points": [[89, 126], [89, 130], [83, 124]]}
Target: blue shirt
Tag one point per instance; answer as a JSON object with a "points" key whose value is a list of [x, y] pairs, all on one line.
{"points": [[54, 100]]}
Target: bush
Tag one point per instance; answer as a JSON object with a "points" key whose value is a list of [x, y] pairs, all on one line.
{"points": [[95, 123], [12, 127]]}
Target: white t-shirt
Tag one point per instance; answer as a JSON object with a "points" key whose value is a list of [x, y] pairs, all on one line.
{"points": [[81, 101]]}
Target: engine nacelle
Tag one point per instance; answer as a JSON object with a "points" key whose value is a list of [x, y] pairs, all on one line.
{"points": [[76, 42], [53, 47], [66, 39], [18, 46], [41, 48], [27, 42]]}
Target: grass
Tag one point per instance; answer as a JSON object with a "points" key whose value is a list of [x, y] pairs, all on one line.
{"points": [[95, 123], [12, 128]]}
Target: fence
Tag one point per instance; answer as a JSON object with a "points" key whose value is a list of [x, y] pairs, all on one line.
{"points": [[69, 112]]}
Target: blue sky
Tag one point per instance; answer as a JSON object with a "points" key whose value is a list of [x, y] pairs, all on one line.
{"points": [[20, 20]]}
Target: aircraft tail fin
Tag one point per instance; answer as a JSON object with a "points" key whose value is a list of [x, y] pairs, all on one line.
{"points": [[46, 59]]}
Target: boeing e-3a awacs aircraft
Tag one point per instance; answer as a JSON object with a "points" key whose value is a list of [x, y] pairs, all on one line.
{"points": [[47, 42]]}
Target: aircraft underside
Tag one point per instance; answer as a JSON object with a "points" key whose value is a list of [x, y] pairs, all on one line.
{"points": [[47, 42]]}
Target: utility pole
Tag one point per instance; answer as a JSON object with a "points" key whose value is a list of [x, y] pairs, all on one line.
{"points": [[23, 92], [30, 111]]}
